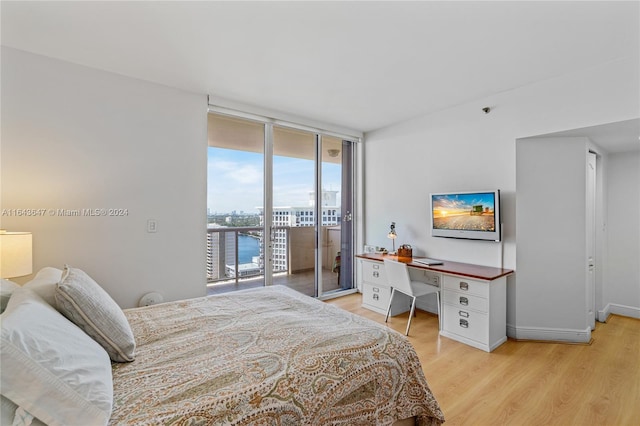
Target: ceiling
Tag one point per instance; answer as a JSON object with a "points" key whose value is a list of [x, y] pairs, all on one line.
{"points": [[622, 136], [358, 65]]}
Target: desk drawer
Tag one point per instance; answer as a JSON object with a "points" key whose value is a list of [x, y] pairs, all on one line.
{"points": [[466, 323], [373, 272], [465, 285], [376, 296], [465, 301]]}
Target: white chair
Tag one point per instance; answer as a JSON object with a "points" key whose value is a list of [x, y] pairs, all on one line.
{"points": [[399, 280]]}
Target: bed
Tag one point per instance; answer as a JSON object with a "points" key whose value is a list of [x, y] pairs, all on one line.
{"points": [[267, 356]]}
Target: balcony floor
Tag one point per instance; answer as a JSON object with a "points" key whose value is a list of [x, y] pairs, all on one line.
{"points": [[300, 281]]}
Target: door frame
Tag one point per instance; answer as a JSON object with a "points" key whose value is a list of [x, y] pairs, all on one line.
{"points": [[590, 236], [356, 139]]}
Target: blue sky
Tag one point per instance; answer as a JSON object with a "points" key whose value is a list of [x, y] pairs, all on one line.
{"points": [[235, 180]]}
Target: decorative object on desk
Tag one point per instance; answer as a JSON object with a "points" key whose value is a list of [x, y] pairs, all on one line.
{"points": [[369, 249], [405, 250], [392, 236], [15, 254]]}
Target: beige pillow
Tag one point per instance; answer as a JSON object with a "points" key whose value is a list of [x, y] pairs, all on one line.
{"points": [[45, 283], [88, 306]]}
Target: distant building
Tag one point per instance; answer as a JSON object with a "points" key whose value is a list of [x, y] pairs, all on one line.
{"points": [[245, 269], [300, 216]]}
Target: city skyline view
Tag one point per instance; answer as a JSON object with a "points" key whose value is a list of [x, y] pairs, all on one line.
{"points": [[235, 180]]}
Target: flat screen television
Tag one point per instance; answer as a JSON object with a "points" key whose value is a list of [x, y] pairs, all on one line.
{"points": [[470, 215]]}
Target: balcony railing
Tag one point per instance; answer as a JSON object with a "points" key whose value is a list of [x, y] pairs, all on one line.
{"points": [[223, 253]]}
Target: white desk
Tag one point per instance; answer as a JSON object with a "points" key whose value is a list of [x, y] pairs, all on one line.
{"points": [[473, 297]]}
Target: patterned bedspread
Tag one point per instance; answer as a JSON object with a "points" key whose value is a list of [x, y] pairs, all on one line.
{"points": [[269, 356]]}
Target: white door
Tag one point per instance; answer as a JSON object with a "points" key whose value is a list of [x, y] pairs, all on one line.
{"points": [[591, 239]]}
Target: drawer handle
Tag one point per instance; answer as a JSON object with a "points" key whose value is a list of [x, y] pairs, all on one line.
{"points": [[376, 290], [464, 301], [376, 266], [463, 314], [464, 323], [376, 274], [376, 296], [464, 286]]}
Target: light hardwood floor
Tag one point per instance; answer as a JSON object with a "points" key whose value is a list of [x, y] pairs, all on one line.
{"points": [[527, 383]]}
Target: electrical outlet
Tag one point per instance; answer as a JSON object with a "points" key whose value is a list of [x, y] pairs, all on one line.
{"points": [[152, 225]]}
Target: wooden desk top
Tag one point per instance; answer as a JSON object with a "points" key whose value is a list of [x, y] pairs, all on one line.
{"points": [[487, 273]]}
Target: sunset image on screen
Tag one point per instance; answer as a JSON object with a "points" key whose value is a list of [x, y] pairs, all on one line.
{"points": [[470, 212]]}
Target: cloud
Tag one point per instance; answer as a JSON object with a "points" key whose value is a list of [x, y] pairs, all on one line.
{"points": [[243, 173], [235, 180]]}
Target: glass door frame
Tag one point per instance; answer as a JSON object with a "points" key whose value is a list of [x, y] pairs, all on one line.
{"points": [[268, 230], [347, 213], [268, 227]]}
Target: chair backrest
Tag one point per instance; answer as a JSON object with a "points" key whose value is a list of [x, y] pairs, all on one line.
{"points": [[398, 276]]}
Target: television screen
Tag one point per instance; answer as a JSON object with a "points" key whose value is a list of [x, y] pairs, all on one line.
{"points": [[471, 215]]}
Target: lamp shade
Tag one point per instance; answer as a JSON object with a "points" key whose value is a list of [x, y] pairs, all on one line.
{"points": [[15, 254]]}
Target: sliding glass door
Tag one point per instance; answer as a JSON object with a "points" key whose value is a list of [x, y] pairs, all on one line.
{"points": [[279, 207], [336, 179], [235, 192], [293, 218]]}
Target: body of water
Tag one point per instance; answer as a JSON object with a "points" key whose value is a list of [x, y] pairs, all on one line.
{"points": [[247, 248]]}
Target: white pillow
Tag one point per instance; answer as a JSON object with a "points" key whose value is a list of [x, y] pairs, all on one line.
{"points": [[6, 289], [8, 415], [44, 283], [50, 368], [7, 411], [85, 303]]}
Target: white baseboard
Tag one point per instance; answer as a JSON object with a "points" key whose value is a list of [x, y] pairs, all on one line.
{"points": [[617, 309], [604, 313], [511, 331], [568, 335], [549, 334]]}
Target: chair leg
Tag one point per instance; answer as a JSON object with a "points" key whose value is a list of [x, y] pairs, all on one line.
{"points": [[413, 308], [390, 300]]}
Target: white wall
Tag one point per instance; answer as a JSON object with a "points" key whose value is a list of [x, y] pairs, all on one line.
{"points": [[622, 273], [551, 224], [461, 148], [79, 138]]}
